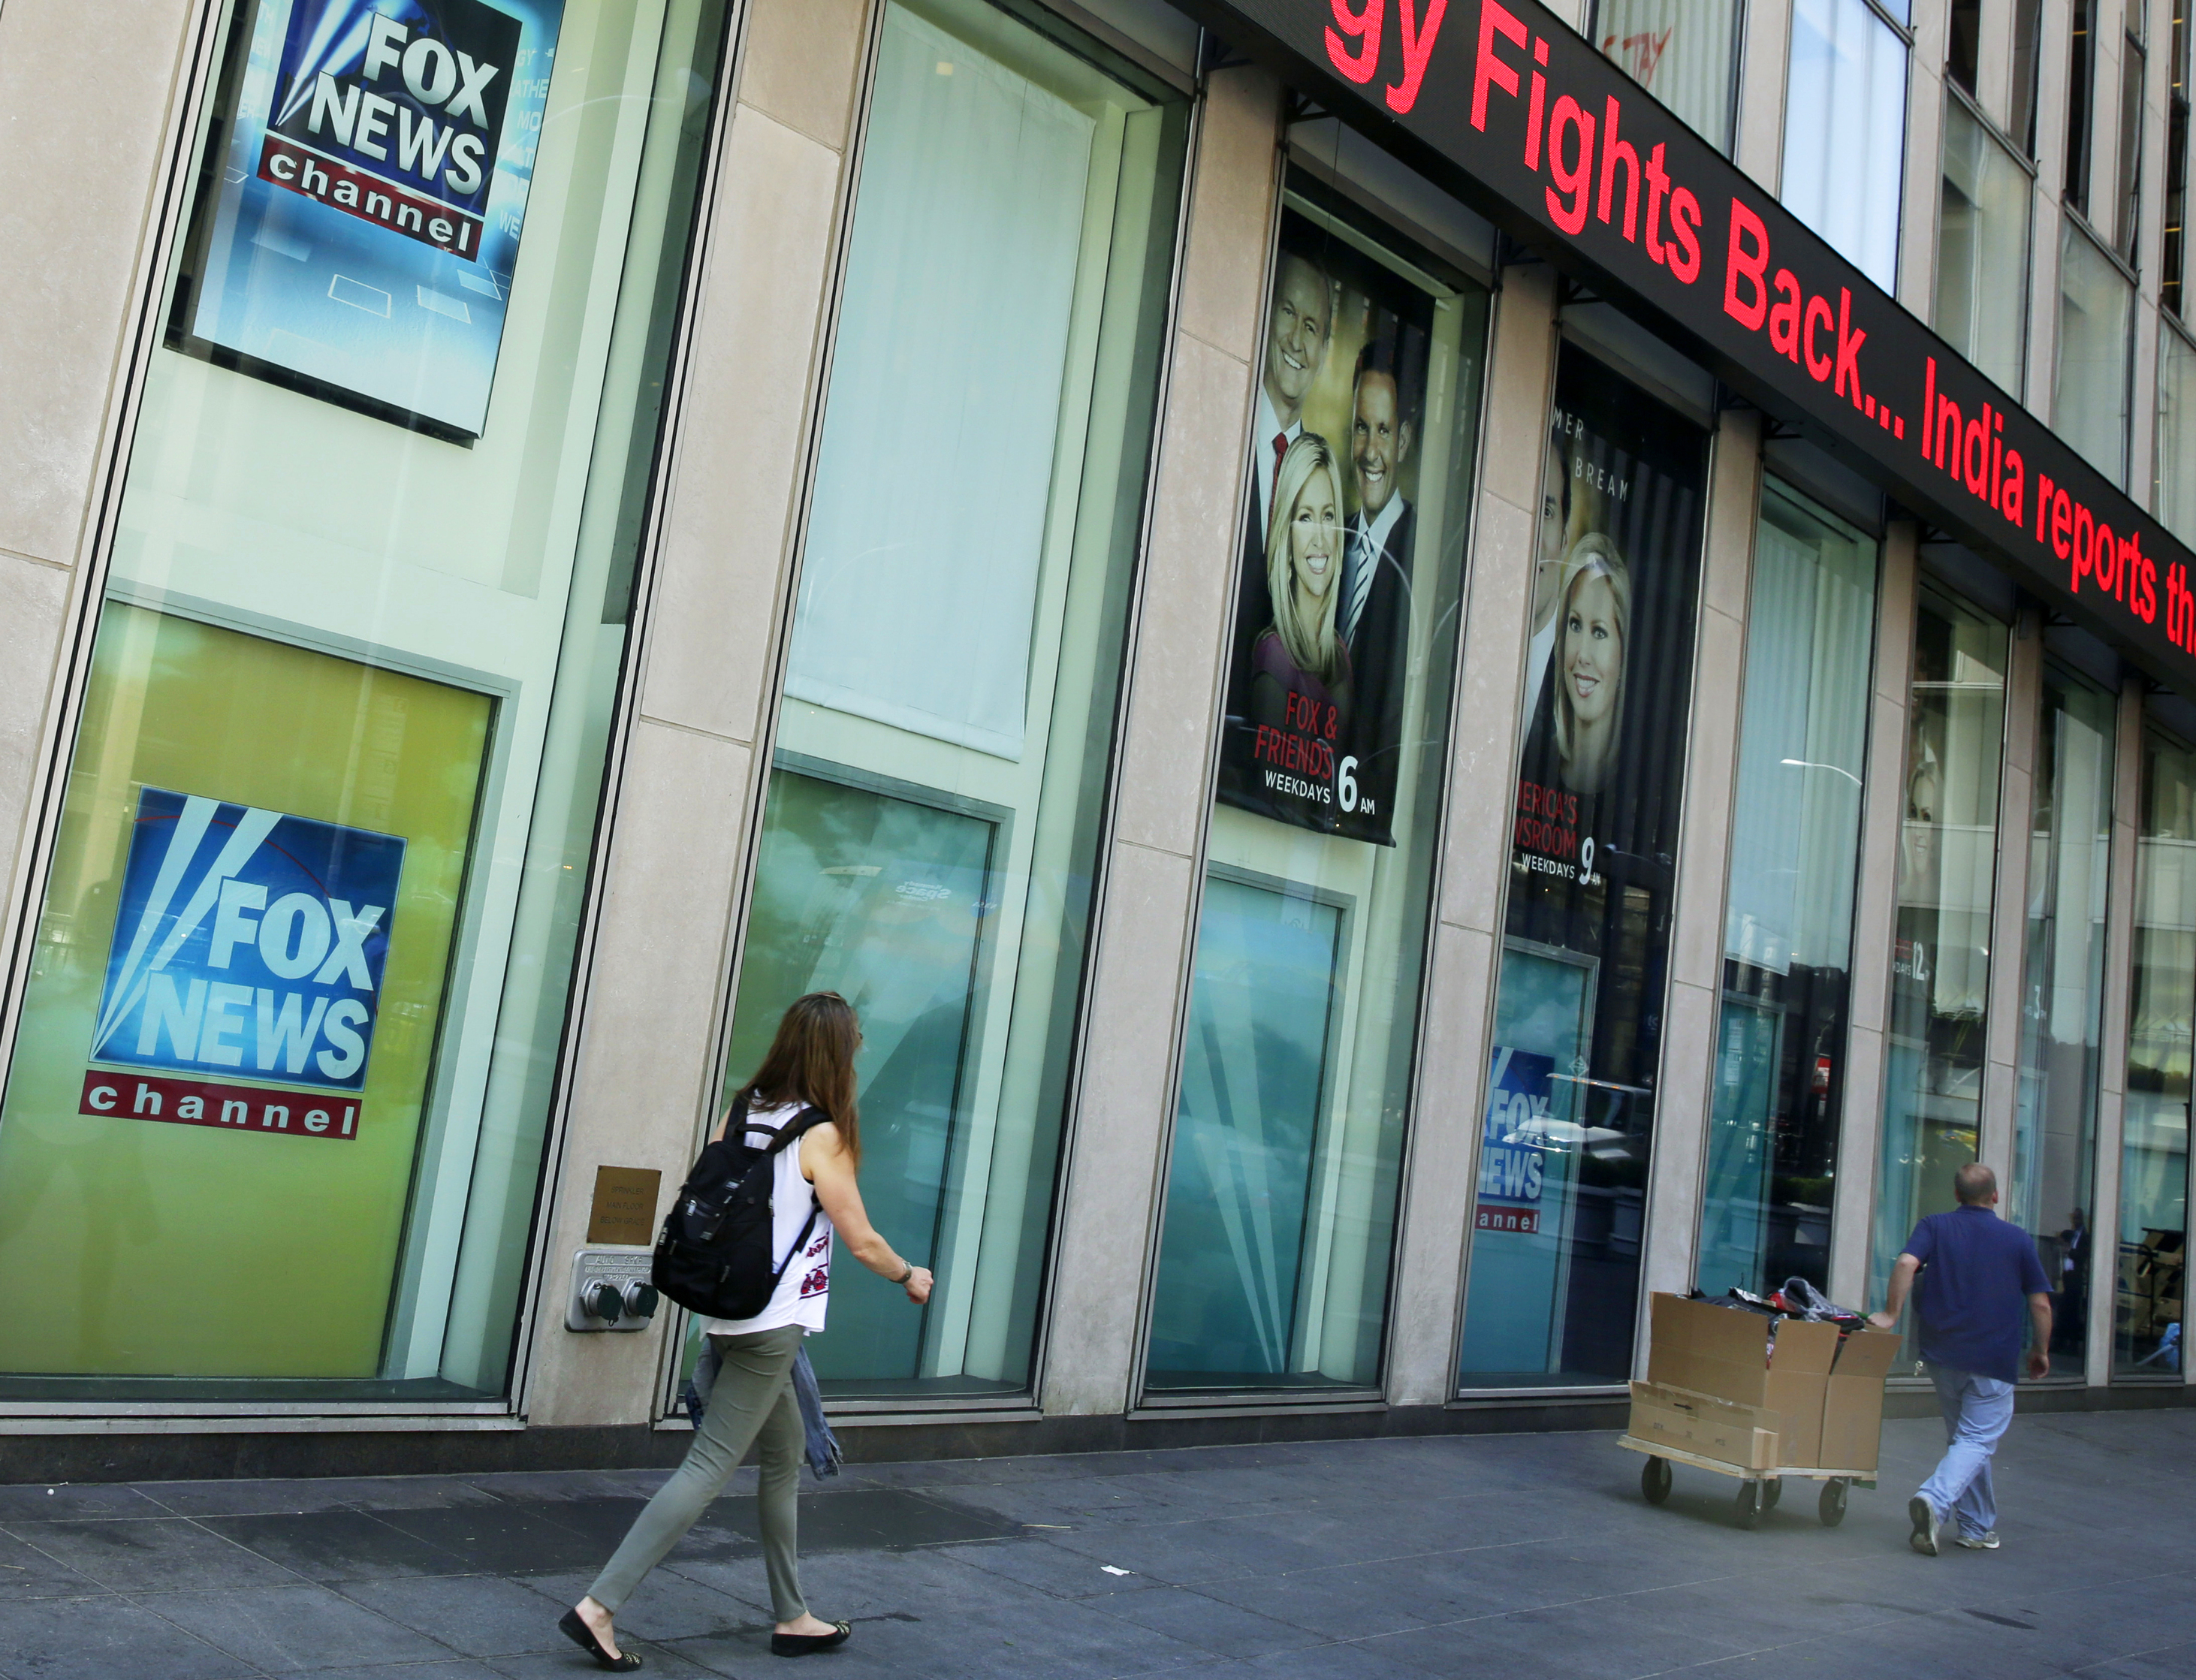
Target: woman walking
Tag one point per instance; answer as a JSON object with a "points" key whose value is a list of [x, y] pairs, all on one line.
{"points": [[811, 1065]]}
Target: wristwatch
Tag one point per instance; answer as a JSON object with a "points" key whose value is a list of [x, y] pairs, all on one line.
{"points": [[905, 1275]]}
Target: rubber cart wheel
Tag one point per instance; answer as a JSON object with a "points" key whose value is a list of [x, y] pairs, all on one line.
{"points": [[1834, 1502], [1655, 1481], [1772, 1490], [1748, 1507]]}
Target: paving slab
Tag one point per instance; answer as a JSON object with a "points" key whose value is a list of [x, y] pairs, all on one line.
{"points": [[1524, 1556]]}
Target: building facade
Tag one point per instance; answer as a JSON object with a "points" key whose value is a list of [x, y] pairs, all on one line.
{"points": [[1425, 673]]}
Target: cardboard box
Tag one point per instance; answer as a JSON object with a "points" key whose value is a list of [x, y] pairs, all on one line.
{"points": [[1703, 1425], [1853, 1405], [1707, 1349]]}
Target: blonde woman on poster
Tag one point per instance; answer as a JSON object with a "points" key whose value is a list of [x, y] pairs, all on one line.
{"points": [[1595, 629], [1299, 658]]}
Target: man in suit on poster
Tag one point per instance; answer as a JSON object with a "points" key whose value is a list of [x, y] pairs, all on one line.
{"points": [[1300, 328], [1374, 616]]}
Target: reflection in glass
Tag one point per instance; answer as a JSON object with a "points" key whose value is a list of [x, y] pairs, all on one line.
{"points": [[2062, 997], [1940, 957], [2152, 1260], [1779, 1087], [1531, 1152], [1282, 1181], [931, 824], [2096, 322], [1231, 1303], [1982, 248], [1684, 52], [334, 618], [2176, 433]]}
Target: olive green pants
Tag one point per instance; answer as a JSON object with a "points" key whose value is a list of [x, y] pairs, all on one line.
{"points": [[751, 1405]]}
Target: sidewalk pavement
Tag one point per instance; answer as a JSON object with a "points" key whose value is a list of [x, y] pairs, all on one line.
{"points": [[1517, 1555]]}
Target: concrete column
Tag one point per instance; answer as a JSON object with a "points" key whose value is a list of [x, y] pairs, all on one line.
{"points": [[2016, 806], [689, 781], [1147, 924], [1764, 64], [1465, 963], [1876, 919], [1925, 149], [2121, 908], [1685, 1090], [89, 136]]}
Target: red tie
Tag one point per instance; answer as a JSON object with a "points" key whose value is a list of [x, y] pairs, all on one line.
{"points": [[1281, 448]]}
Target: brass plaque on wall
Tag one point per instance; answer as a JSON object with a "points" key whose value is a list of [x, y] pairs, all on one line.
{"points": [[625, 1205]]}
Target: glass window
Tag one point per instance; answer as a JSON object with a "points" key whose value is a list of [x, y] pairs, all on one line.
{"points": [[2096, 320], [2062, 996], [2154, 1247], [1779, 1091], [2128, 202], [1940, 956], [1279, 1219], [1963, 39], [2027, 31], [1982, 248], [931, 826], [1844, 131], [1682, 51], [1568, 1128], [2176, 164], [2081, 87], [2176, 434], [274, 1124]]}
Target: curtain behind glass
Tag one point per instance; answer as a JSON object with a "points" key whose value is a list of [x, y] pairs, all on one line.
{"points": [[2177, 434], [1844, 131], [1787, 939], [933, 485], [1681, 51], [2153, 1245], [2063, 998], [1982, 251], [1940, 956], [2090, 398]]}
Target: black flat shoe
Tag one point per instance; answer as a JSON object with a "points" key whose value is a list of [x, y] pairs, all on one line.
{"points": [[584, 1637], [808, 1644]]}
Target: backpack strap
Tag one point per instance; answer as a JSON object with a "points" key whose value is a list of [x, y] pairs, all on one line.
{"points": [[801, 1123]]}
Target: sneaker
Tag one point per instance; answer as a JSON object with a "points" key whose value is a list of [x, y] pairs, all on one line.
{"points": [[1926, 1523], [1983, 1542]]}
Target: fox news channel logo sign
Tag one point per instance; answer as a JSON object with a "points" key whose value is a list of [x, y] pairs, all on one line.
{"points": [[248, 940], [395, 120], [1520, 1095], [364, 227]]}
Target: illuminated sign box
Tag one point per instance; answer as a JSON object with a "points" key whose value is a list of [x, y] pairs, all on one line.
{"points": [[1503, 104]]}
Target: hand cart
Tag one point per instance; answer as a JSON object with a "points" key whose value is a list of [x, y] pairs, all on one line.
{"points": [[1759, 1490]]}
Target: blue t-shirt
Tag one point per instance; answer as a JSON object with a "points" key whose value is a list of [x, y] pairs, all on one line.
{"points": [[1976, 1274]]}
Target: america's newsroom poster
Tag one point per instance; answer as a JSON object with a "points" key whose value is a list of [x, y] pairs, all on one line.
{"points": [[1609, 674], [360, 237], [1315, 716]]}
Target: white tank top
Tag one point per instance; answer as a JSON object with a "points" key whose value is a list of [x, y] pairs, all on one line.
{"points": [[803, 1288]]}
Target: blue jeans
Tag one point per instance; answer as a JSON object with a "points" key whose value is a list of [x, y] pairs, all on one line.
{"points": [[1977, 1410]]}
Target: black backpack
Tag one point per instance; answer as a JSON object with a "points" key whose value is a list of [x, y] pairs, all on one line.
{"points": [[714, 1256]]}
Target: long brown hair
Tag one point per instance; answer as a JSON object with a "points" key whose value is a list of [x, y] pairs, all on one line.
{"points": [[811, 1060]]}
